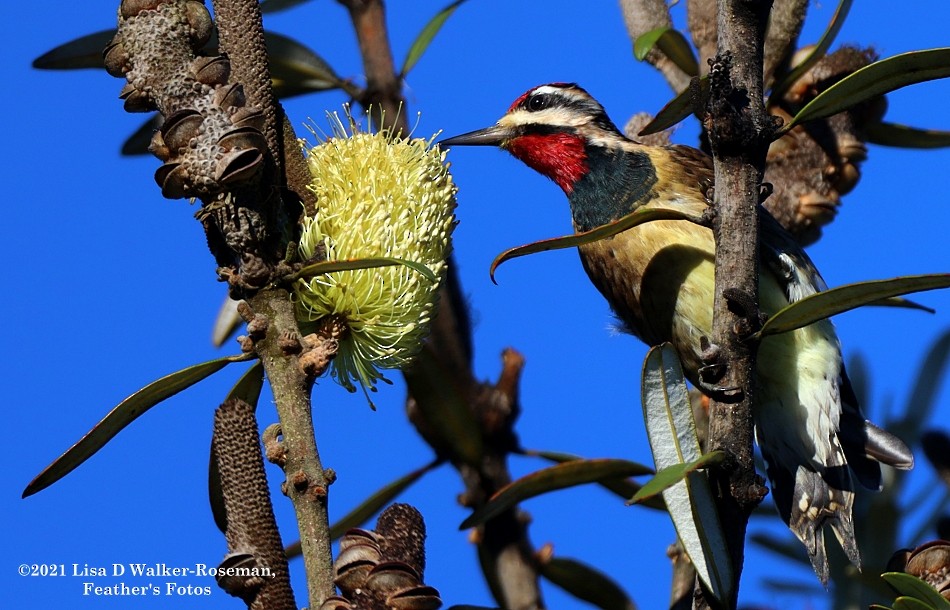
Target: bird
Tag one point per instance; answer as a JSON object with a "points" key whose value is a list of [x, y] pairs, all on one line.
{"points": [[658, 278]]}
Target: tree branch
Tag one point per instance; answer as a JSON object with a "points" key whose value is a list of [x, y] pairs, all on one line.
{"points": [[642, 16], [504, 546], [383, 88], [739, 130], [291, 367]]}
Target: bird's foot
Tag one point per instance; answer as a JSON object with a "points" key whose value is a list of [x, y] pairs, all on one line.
{"points": [[712, 371], [744, 305]]}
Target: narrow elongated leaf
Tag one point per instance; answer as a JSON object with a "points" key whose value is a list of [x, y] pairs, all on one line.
{"points": [[226, 323], [679, 107], [629, 221], [425, 37], [645, 42], [248, 388], [325, 267], [383, 496], [124, 414], [845, 298], [84, 52], [911, 603], [902, 136], [569, 474], [295, 68], [818, 51], [671, 43], [671, 475], [623, 488], [902, 303], [586, 583], [873, 80], [672, 433], [911, 586]]}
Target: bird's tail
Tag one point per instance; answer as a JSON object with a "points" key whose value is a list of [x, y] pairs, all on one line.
{"points": [[809, 497], [807, 500]]}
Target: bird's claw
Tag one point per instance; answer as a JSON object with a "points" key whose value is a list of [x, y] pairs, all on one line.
{"points": [[744, 305], [713, 371]]}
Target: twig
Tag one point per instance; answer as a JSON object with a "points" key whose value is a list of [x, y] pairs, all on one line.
{"points": [[642, 16], [382, 83], [739, 129], [504, 545], [291, 382]]}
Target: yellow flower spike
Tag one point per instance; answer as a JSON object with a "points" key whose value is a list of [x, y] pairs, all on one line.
{"points": [[378, 195]]}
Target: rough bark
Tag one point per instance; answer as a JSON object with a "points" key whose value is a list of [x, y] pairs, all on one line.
{"points": [[739, 131]]}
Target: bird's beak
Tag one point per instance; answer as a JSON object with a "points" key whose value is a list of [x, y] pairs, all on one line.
{"points": [[496, 135]]}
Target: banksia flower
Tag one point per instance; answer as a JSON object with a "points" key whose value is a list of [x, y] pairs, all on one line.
{"points": [[378, 195]]}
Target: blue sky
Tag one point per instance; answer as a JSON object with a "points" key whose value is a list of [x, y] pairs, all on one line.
{"points": [[111, 286]]}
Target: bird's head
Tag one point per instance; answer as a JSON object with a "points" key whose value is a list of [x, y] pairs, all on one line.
{"points": [[550, 128]]}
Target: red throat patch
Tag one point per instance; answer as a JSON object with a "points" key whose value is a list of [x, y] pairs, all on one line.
{"points": [[559, 156]]}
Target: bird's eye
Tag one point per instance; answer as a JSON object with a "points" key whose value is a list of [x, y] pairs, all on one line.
{"points": [[537, 102]]}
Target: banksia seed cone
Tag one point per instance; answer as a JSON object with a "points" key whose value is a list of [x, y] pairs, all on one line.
{"points": [[378, 195]]}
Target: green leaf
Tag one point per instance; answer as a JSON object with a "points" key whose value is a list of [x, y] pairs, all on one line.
{"points": [[324, 267], [671, 43], [902, 136], [586, 583], [879, 607], [226, 323], [623, 488], [911, 586], [672, 434], [819, 50], [673, 474], [679, 107], [296, 68], [645, 42], [273, 6], [248, 388], [873, 80], [637, 217], [445, 409], [383, 496], [911, 603], [84, 52], [902, 303], [569, 474], [124, 414], [424, 39], [845, 298]]}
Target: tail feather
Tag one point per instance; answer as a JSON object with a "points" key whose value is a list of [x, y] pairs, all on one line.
{"points": [[808, 500]]}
